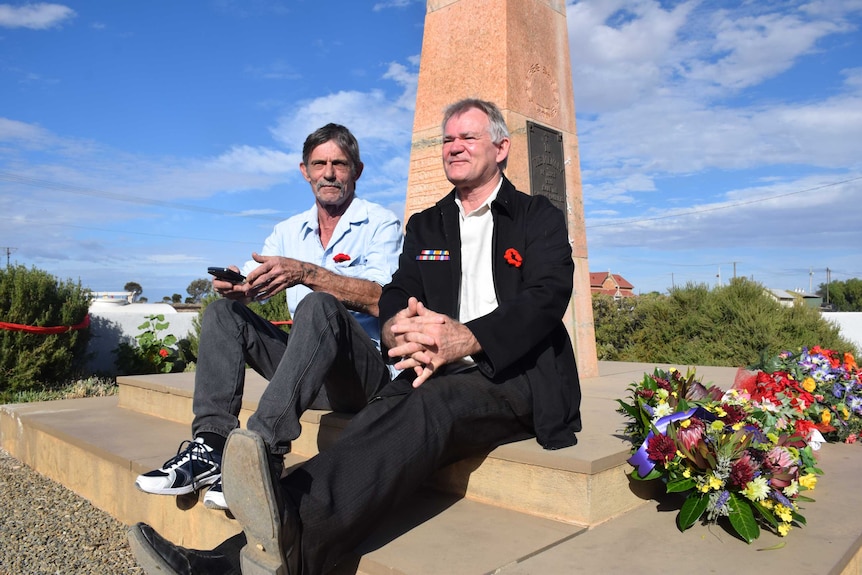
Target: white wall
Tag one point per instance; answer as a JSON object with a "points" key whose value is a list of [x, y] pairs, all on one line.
{"points": [[849, 324]]}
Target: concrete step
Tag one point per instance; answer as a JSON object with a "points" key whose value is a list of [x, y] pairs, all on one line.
{"points": [[520, 510], [96, 449], [585, 484]]}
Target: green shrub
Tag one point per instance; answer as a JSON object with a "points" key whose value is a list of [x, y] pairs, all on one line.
{"points": [[733, 325], [31, 361]]}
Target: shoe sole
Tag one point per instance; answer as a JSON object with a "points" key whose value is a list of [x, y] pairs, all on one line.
{"points": [[251, 497], [184, 490], [150, 561]]}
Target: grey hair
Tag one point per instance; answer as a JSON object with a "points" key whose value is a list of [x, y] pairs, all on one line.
{"points": [[342, 138], [497, 129]]}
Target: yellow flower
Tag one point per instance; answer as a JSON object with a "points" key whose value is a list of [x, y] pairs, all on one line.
{"points": [[808, 384], [716, 425], [686, 473], [825, 417], [737, 426], [767, 503], [719, 411], [715, 483], [845, 412], [784, 529], [685, 424], [783, 513], [808, 481]]}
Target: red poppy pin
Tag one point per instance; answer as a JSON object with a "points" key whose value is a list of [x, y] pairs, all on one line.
{"points": [[513, 258], [338, 258]]}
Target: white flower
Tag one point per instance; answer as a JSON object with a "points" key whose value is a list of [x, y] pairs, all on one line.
{"points": [[791, 489], [757, 489], [660, 411], [816, 440]]}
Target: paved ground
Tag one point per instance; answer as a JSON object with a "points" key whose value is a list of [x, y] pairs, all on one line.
{"points": [[47, 529]]}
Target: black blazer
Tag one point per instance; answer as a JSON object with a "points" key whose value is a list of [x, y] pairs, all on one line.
{"points": [[525, 335]]}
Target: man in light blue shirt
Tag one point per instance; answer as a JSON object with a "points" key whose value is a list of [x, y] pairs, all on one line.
{"points": [[332, 260]]}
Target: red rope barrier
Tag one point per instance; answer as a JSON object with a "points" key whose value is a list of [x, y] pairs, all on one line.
{"points": [[287, 322], [46, 330]]}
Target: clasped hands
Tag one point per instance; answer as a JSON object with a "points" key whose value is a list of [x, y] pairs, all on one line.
{"points": [[275, 274], [426, 340]]}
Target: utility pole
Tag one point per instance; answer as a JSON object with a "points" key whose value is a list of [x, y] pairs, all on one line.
{"points": [[810, 280], [828, 280], [718, 275], [734, 270], [9, 251]]}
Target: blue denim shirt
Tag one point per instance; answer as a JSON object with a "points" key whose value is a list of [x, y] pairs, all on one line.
{"points": [[368, 233]]}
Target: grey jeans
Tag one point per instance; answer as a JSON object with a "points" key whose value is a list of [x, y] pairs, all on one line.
{"points": [[327, 362]]}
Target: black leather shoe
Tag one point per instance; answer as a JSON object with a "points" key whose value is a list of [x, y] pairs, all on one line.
{"points": [[157, 555], [251, 486]]}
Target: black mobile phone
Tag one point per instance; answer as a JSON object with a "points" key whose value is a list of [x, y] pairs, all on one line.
{"points": [[227, 275]]}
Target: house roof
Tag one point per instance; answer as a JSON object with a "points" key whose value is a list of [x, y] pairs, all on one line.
{"points": [[598, 278]]}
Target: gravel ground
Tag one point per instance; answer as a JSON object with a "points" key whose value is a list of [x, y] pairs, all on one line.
{"points": [[47, 529]]}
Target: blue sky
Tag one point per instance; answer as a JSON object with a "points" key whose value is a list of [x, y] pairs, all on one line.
{"points": [[146, 141]]}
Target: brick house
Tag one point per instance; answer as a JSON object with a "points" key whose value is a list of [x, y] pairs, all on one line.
{"points": [[610, 284]]}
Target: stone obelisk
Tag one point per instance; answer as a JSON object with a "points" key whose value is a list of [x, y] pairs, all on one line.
{"points": [[514, 53]]}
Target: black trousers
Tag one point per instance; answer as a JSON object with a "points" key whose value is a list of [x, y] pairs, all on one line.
{"points": [[391, 447]]}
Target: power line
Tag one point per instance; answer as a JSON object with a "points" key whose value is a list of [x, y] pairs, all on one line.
{"points": [[149, 234], [72, 189], [725, 207]]}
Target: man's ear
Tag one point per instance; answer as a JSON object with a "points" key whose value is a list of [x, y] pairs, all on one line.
{"points": [[304, 170], [503, 150], [358, 171]]}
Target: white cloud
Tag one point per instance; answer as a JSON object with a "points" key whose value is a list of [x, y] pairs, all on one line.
{"points": [[39, 16], [382, 123], [248, 159]]}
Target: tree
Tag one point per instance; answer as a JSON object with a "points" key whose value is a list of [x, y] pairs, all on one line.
{"points": [[198, 289], [844, 296], [733, 325], [135, 288], [176, 298]]}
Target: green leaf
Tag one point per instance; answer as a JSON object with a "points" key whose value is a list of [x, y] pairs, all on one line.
{"points": [[742, 519], [654, 474], [629, 409], [798, 518], [766, 514], [693, 507], [779, 545], [680, 485]]}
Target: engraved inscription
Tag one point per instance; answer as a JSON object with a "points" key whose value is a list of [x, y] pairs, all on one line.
{"points": [[542, 91], [547, 168]]}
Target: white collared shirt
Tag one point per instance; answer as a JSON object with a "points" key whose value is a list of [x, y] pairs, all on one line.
{"points": [[477, 294]]}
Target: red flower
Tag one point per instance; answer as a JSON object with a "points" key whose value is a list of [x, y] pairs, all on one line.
{"points": [[338, 258], [661, 448], [742, 470], [163, 352], [513, 258]]}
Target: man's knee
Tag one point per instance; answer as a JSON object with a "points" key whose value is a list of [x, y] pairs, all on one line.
{"points": [[314, 303]]}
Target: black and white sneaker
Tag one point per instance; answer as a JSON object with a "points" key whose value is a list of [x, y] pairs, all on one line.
{"points": [[214, 498], [195, 465]]}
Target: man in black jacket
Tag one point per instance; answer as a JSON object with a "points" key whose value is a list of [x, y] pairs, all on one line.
{"points": [[474, 318]]}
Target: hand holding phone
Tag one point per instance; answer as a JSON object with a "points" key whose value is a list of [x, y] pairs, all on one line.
{"points": [[226, 274]]}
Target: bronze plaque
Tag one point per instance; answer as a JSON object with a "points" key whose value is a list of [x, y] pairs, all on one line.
{"points": [[547, 167]]}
